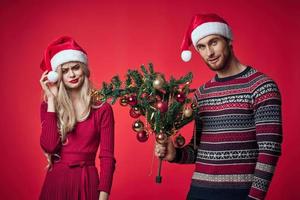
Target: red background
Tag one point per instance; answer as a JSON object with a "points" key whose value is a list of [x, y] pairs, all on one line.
{"points": [[125, 34]]}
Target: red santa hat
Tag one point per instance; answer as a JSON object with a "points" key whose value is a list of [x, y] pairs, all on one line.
{"points": [[201, 26], [62, 50]]}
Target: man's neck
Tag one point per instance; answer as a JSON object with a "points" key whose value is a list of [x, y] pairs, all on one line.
{"points": [[233, 67]]}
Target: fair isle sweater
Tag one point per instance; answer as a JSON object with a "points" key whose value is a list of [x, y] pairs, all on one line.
{"points": [[239, 135]]}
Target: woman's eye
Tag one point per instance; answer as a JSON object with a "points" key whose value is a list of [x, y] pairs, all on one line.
{"points": [[76, 67]]}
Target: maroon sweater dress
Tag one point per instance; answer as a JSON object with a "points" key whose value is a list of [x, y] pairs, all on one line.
{"points": [[73, 175]]}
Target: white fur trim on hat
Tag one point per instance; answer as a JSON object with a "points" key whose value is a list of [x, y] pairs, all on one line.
{"points": [[186, 55], [67, 56], [210, 28]]}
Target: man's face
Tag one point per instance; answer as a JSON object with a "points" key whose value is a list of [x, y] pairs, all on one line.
{"points": [[215, 51]]}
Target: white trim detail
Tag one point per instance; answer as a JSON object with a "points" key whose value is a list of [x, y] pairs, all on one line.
{"points": [[210, 28], [67, 56]]}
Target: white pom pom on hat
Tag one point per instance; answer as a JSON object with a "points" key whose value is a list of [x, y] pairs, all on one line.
{"points": [[62, 50], [52, 76], [186, 55], [201, 26]]}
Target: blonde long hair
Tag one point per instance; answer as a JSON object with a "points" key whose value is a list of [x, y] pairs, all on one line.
{"points": [[65, 109], [64, 106]]}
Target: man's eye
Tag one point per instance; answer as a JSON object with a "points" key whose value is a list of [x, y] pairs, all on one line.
{"points": [[214, 43], [201, 47]]}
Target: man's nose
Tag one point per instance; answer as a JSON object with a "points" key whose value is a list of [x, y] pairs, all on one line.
{"points": [[210, 52]]}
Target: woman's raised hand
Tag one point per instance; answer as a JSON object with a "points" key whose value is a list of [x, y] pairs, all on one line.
{"points": [[50, 89]]}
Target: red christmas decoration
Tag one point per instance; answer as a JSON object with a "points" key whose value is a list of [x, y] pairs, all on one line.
{"points": [[180, 97], [142, 136], [162, 106], [132, 100], [134, 112]]}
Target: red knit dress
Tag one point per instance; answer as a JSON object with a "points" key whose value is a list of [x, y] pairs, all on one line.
{"points": [[74, 176]]}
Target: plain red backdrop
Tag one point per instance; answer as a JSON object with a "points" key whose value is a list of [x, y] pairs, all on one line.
{"points": [[125, 34]]}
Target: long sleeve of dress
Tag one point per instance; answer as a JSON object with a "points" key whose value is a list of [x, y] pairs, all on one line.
{"points": [[107, 160], [49, 139], [267, 106]]}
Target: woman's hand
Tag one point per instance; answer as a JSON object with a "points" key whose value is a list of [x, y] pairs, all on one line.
{"points": [[103, 196], [50, 89]]}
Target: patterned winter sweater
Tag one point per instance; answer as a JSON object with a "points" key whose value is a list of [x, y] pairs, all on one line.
{"points": [[239, 135]]}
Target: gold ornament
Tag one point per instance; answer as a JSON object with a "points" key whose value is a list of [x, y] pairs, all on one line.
{"points": [[138, 126], [123, 101], [158, 82], [194, 106], [179, 141], [161, 138], [188, 112]]}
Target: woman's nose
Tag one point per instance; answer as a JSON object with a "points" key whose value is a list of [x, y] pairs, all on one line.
{"points": [[71, 73]]}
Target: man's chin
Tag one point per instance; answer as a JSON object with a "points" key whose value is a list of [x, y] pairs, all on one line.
{"points": [[215, 67]]}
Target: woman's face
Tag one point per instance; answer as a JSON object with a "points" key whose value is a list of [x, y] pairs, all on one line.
{"points": [[72, 75]]}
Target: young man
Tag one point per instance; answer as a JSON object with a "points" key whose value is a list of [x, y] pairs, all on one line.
{"points": [[238, 127]]}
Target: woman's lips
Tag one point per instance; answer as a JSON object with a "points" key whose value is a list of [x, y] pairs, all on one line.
{"points": [[74, 81]]}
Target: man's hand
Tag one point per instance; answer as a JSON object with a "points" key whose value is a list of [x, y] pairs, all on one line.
{"points": [[166, 151]]}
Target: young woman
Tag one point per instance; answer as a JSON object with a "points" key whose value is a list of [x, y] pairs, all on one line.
{"points": [[73, 125]]}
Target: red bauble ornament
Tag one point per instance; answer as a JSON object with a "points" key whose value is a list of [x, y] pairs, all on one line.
{"points": [[142, 136], [179, 141], [162, 106], [161, 138], [132, 100], [134, 112], [180, 97]]}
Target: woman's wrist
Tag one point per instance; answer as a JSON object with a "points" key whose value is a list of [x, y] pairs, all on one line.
{"points": [[51, 104], [103, 195]]}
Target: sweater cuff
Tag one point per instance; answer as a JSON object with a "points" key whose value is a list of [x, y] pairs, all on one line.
{"points": [[178, 156], [50, 115]]}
